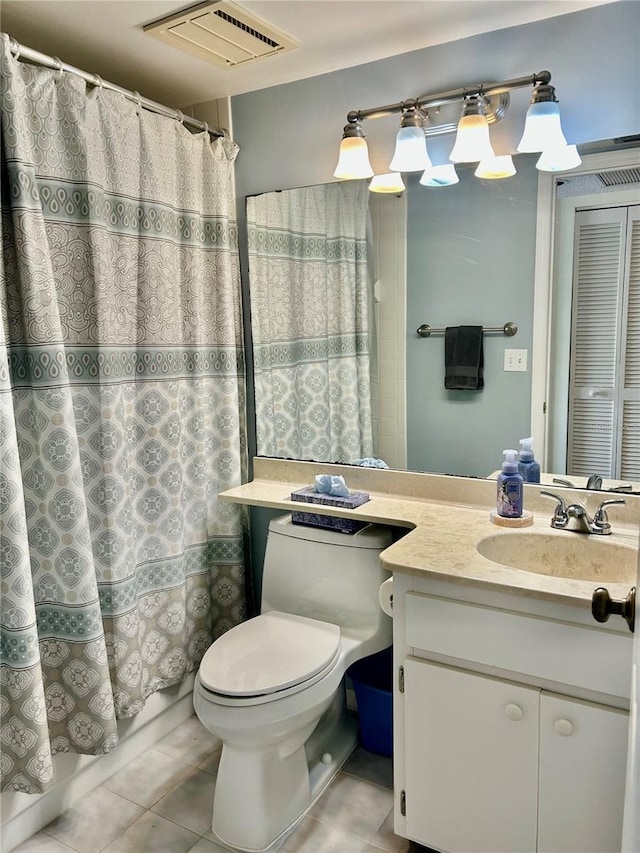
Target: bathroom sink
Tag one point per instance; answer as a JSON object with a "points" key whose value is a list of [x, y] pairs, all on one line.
{"points": [[564, 555]]}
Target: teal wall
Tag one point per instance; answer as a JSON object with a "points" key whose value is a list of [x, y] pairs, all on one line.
{"points": [[466, 269], [289, 136]]}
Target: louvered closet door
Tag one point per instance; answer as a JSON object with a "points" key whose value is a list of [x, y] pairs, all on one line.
{"points": [[604, 400], [629, 432]]}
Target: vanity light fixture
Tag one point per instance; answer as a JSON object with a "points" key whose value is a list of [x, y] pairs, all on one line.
{"points": [[473, 143], [542, 128], [482, 105], [444, 175], [559, 159], [353, 162], [543, 132], [498, 166], [391, 182], [410, 154]]}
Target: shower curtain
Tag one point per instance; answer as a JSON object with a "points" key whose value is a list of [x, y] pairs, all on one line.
{"points": [[121, 412], [310, 322]]}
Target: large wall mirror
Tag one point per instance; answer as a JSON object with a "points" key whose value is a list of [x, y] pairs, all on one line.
{"points": [[341, 279]]}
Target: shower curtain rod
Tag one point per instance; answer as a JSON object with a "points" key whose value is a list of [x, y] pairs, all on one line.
{"points": [[34, 56]]}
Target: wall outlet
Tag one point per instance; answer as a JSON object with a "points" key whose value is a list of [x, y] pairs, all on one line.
{"points": [[515, 359]]}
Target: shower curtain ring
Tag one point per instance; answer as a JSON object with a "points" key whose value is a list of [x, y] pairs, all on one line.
{"points": [[138, 100], [15, 47], [59, 68], [206, 127], [98, 81], [180, 116]]}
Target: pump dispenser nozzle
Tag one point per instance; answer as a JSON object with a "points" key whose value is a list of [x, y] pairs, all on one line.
{"points": [[510, 466], [526, 449], [527, 466]]}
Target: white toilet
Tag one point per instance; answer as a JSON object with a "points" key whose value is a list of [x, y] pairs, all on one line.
{"points": [[272, 688]]}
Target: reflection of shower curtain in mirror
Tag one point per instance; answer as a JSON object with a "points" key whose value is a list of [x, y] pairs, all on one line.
{"points": [[310, 307]]}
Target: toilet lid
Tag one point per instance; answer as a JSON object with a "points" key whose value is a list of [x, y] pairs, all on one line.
{"points": [[268, 653]]}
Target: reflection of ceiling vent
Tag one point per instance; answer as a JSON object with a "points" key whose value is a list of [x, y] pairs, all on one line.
{"points": [[620, 177], [221, 33]]}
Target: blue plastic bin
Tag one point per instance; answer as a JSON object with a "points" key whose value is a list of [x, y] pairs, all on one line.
{"points": [[372, 679]]}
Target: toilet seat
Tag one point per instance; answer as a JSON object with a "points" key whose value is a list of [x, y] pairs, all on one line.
{"points": [[268, 654]]}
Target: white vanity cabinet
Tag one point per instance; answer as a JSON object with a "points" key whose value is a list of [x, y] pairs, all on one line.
{"points": [[471, 771], [510, 722], [583, 749]]}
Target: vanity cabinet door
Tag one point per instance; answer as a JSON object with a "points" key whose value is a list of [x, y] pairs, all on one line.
{"points": [[583, 749], [471, 760]]}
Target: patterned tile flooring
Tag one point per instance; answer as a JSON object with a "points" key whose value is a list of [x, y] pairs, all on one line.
{"points": [[161, 803]]}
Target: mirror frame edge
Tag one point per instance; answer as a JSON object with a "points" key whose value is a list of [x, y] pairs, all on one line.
{"points": [[543, 280]]}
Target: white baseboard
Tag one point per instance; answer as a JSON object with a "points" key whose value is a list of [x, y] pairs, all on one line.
{"points": [[77, 775]]}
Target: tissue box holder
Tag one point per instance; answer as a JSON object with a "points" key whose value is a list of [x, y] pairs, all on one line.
{"points": [[328, 522]]}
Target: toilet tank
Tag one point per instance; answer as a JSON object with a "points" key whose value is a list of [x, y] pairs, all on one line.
{"points": [[325, 574]]}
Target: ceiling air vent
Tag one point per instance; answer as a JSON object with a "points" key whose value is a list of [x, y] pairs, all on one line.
{"points": [[620, 177], [221, 33]]}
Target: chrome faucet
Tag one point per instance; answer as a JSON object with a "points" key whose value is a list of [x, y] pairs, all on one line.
{"points": [[575, 517]]}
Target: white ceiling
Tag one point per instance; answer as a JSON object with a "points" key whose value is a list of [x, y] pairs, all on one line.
{"points": [[105, 37]]}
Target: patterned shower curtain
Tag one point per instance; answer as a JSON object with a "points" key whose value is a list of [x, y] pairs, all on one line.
{"points": [[121, 412], [310, 321]]}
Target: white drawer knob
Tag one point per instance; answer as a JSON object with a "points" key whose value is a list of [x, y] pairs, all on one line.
{"points": [[563, 727], [513, 712]]}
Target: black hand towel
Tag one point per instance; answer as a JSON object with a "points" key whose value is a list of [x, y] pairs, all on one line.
{"points": [[463, 358]]}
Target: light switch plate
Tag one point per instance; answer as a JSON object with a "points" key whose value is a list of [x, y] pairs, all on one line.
{"points": [[515, 359]]}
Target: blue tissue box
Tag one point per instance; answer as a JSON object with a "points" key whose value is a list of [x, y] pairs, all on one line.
{"points": [[328, 522]]}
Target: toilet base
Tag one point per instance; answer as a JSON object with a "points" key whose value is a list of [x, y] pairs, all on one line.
{"points": [[297, 782]]}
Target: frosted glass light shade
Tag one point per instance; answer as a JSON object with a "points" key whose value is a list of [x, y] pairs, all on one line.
{"points": [[498, 167], [559, 159], [353, 161], [410, 154], [440, 176], [391, 182], [472, 140], [542, 128]]}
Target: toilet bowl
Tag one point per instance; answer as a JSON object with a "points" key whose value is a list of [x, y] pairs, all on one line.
{"points": [[272, 688]]}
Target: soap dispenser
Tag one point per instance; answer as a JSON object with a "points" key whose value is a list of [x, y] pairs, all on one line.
{"points": [[527, 465], [510, 487]]}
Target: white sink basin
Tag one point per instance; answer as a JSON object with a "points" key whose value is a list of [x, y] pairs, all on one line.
{"points": [[562, 555]]}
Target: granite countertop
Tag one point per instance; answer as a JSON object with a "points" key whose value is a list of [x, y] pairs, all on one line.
{"points": [[446, 517]]}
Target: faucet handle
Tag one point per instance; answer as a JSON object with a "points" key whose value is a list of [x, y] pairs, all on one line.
{"points": [[600, 519], [561, 502], [560, 482], [560, 517]]}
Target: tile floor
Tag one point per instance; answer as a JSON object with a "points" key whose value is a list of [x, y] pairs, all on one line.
{"points": [[162, 802]]}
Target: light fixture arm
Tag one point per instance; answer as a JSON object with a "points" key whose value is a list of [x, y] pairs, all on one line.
{"points": [[426, 102]]}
